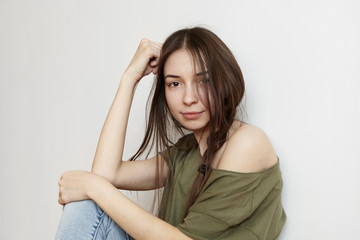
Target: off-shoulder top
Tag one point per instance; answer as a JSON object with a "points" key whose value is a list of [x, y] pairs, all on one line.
{"points": [[231, 205]]}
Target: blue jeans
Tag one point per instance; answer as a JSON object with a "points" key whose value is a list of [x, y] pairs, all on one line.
{"points": [[86, 220]]}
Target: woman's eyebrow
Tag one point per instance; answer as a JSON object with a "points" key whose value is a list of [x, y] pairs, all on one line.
{"points": [[172, 76], [201, 73], [176, 76]]}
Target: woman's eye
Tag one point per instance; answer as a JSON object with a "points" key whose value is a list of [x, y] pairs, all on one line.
{"points": [[174, 84], [204, 81]]}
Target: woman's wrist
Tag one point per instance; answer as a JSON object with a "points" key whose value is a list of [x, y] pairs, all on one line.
{"points": [[129, 79], [96, 184]]}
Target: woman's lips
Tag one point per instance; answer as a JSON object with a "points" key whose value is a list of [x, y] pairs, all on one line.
{"points": [[191, 115]]}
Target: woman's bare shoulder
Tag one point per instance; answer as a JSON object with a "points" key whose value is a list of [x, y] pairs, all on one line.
{"points": [[248, 150]]}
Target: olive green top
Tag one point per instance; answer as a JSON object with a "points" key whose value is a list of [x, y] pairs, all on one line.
{"points": [[231, 205]]}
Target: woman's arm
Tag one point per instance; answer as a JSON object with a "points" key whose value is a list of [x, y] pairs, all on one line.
{"points": [[140, 175], [80, 185], [109, 152]]}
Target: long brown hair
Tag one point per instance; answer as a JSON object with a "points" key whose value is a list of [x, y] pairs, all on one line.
{"points": [[225, 86]]}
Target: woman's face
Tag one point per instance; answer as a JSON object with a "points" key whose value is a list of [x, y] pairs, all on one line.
{"points": [[185, 90]]}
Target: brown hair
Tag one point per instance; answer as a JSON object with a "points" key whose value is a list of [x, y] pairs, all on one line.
{"points": [[226, 88]]}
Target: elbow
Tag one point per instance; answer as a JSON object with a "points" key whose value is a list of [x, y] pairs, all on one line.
{"points": [[110, 176]]}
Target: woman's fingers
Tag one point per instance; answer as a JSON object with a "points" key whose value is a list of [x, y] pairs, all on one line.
{"points": [[154, 44], [60, 183], [151, 50], [153, 62], [75, 186], [145, 59], [60, 200], [155, 70], [69, 187]]}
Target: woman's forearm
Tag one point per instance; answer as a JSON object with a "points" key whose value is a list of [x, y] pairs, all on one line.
{"points": [[109, 152], [81, 185], [133, 219]]}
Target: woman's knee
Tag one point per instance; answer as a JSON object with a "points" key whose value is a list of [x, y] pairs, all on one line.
{"points": [[79, 220], [84, 206], [86, 220]]}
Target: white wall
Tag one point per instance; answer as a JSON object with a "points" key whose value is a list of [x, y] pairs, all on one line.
{"points": [[60, 64]]}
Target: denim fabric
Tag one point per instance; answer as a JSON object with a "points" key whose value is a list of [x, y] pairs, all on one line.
{"points": [[86, 220]]}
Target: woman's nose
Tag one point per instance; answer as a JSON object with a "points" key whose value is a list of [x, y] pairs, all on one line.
{"points": [[190, 95]]}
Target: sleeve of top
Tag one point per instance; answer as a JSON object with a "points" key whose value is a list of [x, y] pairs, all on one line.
{"points": [[227, 199]]}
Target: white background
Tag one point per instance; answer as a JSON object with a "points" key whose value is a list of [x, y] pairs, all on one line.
{"points": [[60, 65]]}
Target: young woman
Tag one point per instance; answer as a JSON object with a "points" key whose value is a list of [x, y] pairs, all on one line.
{"points": [[221, 178]]}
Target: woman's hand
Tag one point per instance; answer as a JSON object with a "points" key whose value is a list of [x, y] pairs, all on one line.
{"points": [[145, 60], [76, 186]]}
